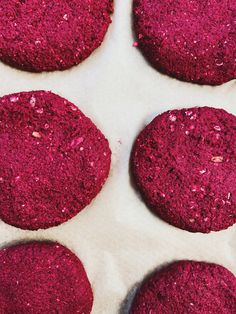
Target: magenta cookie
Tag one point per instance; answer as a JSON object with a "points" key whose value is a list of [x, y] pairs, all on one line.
{"points": [[48, 35], [43, 278], [184, 164], [53, 160], [194, 41], [187, 287]]}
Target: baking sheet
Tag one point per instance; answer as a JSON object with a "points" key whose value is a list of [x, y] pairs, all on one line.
{"points": [[118, 239]]}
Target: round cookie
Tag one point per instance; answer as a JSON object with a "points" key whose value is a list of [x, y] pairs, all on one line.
{"points": [[184, 165], [42, 278], [187, 287], [46, 35], [53, 160], [193, 41]]}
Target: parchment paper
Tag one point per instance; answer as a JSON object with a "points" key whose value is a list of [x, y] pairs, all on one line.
{"points": [[118, 239]]}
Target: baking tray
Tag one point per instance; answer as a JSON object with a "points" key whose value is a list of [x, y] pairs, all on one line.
{"points": [[118, 239]]}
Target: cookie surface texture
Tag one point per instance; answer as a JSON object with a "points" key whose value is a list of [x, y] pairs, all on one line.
{"points": [[184, 165], [193, 41], [46, 35], [187, 287], [42, 278], [53, 160]]}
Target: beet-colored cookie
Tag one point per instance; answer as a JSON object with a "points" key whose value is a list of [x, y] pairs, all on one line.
{"points": [[48, 35], [194, 41], [53, 160], [187, 287], [184, 164], [43, 278]]}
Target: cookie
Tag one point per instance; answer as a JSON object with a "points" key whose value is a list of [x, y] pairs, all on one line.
{"points": [[41, 277], [187, 287], [184, 165], [53, 160], [194, 41], [46, 35]]}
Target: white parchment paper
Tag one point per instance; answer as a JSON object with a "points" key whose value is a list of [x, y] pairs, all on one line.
{"points": [[118, 239]]}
